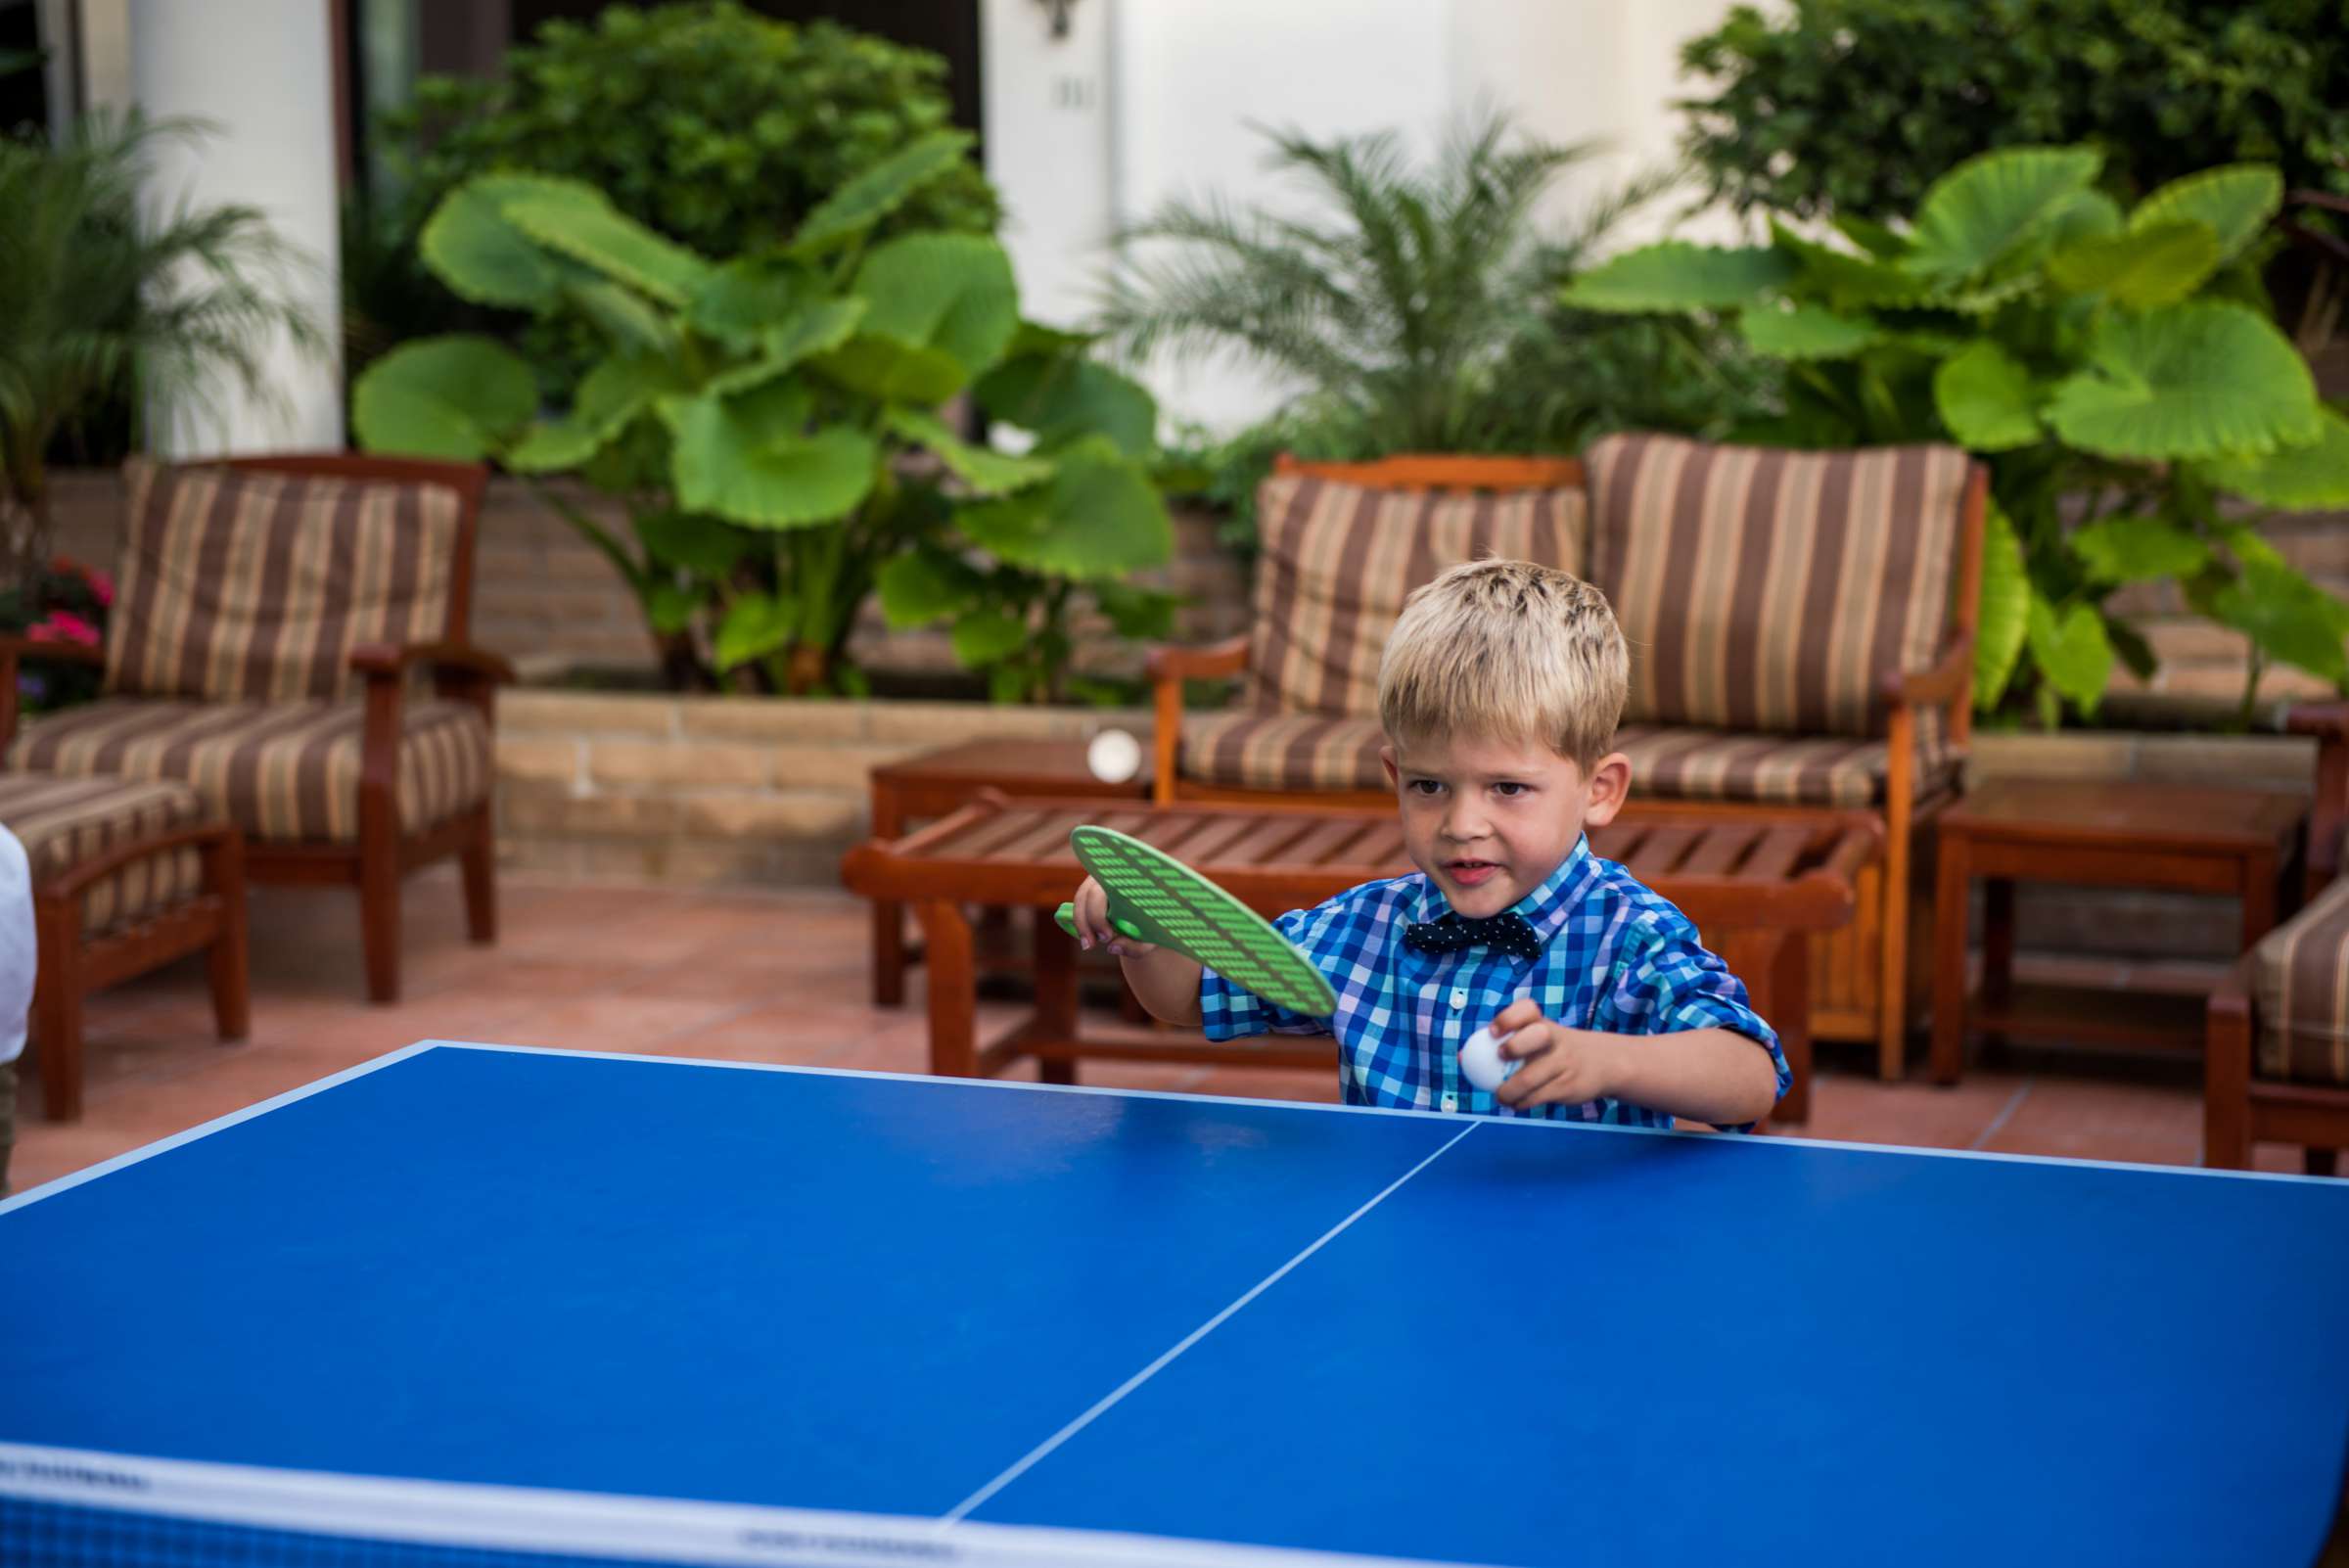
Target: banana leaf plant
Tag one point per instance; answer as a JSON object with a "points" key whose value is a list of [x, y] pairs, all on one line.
{"points": [[770, 423], [2119, 371]]}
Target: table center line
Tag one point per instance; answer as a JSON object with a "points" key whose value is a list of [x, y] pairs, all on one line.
{"points": [[1102, 1405]]}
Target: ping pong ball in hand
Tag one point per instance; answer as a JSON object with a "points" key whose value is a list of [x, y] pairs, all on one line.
{"points": [[1482, 1061], [1114, 756]]}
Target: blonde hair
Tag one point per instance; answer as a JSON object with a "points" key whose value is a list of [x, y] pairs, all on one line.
{"points": [[1506, 650]]}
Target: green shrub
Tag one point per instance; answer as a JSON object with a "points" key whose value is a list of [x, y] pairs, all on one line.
{"points": [[1857, 105], [2119, 371], [768, 421]]}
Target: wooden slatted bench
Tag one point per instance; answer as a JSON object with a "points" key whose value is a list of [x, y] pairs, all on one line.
{"points": [[1757, 891]]}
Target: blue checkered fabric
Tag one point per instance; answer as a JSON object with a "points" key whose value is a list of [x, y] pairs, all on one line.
{"points": [[1615, 957]]}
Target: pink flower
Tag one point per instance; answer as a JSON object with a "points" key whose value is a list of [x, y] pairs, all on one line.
{"points": [[64, 626], [101, 585]]}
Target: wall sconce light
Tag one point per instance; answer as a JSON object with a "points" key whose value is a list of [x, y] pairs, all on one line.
{"points": [[1059, 9]]}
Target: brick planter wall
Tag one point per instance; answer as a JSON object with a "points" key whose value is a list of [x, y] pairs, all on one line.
{"points": [[717, 790]]}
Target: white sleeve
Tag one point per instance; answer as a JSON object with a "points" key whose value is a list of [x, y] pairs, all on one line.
{"points": [[18, 959]]}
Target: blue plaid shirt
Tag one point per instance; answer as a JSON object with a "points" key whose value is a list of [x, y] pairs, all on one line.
{"points": [[1615, 957]]}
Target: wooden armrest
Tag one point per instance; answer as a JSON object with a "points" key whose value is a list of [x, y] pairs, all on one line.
{"points": [[378, 660], [2327, 722], [1940, 685], [1227, 658], [15, 645]]}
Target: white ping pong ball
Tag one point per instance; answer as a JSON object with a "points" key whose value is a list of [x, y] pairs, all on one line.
{"points": [[1114, 756], [1482, 1061]]}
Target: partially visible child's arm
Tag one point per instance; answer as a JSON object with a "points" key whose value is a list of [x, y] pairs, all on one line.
{"points": [[1166, 982], [1705, 1075]]}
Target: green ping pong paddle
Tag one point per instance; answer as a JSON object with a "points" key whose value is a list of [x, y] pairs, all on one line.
{"points": [[1155, 897]]}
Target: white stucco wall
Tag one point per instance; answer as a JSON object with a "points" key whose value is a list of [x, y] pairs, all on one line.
{"points": [[261, 74], [1150, 99]]}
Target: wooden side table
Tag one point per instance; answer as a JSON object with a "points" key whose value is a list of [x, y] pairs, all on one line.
{"points": [[936, 783], [2125, 834], [1755, 890]]}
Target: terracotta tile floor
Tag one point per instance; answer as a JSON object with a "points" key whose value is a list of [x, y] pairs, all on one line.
{"points": [[782, 978]]}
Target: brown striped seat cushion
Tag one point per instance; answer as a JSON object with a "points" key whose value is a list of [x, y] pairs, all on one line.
{"points": [[65, 822], [1317, 751], [1338, 560], [2300, 977], [245, 585], [1771, 591], [285, 773]]}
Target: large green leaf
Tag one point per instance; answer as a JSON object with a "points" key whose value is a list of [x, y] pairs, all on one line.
{"points": [[471, 245], [1848, 281], [700, 544], [2237, 201], [986, 472], [754, 626], [927, 585], [1675, 275], [868, 198], [2140, 549], [741, 299], [2156, 265], [1807, 332], [604, 238], [2288, 616], [1985, 396], [1062, 397], [2302, 477], [984, 636], [629, 321], [615, 392], [2195, 380], [1993, 204], [2004, 606], [729, 458], [456, 398], [1142, 614], [1098, 517], [2073, 655], [814, 328], [895, 371], [950, 291]]}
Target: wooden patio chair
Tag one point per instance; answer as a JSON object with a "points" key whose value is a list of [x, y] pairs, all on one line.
{"points": [[274, 624], [1800, 624], [2275, 1066]]}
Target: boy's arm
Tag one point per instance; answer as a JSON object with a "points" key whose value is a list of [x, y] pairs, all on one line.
{"points": [[1704, 1074], [1166, 983]]}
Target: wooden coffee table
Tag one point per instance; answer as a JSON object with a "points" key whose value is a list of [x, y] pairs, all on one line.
{"points": [[1755, 890], [2120, 834], [923, 788]]}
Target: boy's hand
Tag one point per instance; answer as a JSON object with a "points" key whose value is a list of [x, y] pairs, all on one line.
{"points": [[1563, 1066], [1092, 914]]}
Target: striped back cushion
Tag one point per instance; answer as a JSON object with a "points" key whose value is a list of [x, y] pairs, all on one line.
{"points": [[1338, 560], [1770, 590], [241, 585]]}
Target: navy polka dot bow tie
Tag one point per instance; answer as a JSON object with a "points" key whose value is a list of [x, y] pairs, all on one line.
{"points": [[1509, 931]]}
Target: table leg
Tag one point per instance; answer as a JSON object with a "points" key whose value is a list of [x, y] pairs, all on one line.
{"points": [[953, 988], [1997, 943], [2260, 874], [889, 919], [1055, 995], [1791, 995], [1950, 879]]}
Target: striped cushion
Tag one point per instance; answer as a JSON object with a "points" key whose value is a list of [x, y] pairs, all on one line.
{"points": [[242, 585], [1338, 560], [65, 822], [284, 772], [2301, 974], [1683, 762], [1770, 590], [1313, 751]]}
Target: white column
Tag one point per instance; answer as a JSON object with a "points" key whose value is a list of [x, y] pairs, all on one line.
{"points": [[262, 74]]}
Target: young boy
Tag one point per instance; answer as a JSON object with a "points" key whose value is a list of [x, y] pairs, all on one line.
{"points": [[1499, 692]]}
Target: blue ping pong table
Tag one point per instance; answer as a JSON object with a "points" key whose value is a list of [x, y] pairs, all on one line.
{"points": [[474, 1306]]}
